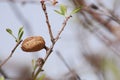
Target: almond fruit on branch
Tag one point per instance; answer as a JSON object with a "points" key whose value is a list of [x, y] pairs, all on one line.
{"points": [[33, 43]]}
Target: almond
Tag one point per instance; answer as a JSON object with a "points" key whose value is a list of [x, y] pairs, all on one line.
{"points": [[33, 43]]}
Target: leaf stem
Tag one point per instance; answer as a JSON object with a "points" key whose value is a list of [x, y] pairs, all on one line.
{"points": [[17, 40]]}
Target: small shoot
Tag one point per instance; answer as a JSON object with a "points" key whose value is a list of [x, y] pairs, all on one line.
{"points": [[76, 10], [2, 78], [20, 34], [62, 11]]}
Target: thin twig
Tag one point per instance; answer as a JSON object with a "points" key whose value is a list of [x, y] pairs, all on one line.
{"points": [[47, 20], [64, 24], [49, 51], [51, 48], [12, 52]]}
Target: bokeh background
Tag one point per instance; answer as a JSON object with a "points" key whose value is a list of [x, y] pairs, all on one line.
{"points": [[89, 44]]}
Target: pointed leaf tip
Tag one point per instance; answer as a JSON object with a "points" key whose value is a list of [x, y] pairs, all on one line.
{"points": [[76, 10], [9, 31], [20, 29], [63, 9], [58, 12], [20, 35]]}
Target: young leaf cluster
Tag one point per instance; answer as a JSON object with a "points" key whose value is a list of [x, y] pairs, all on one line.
{"points": [[63, 10], [20, 34]]}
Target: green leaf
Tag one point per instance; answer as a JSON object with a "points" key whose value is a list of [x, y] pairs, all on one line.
{"points": [[9, 31], [76, 10], [2, 78], [20, 35], [20, 30], [63, 9], [58, 12], [41, 77]]}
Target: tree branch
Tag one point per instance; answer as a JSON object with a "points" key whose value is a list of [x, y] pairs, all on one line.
{"points": [[12, 52], [53, 40], [47, 20]]}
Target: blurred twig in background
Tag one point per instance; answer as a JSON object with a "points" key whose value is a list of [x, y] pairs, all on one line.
{"points": [[92, 11], [21, 18], [74, 74]]}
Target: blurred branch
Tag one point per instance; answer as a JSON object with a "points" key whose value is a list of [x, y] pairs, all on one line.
{"points": [[95, 31], [75, 75], [98, 17], [21, 18], [111, 12], [3, 73], [101, 20]]}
